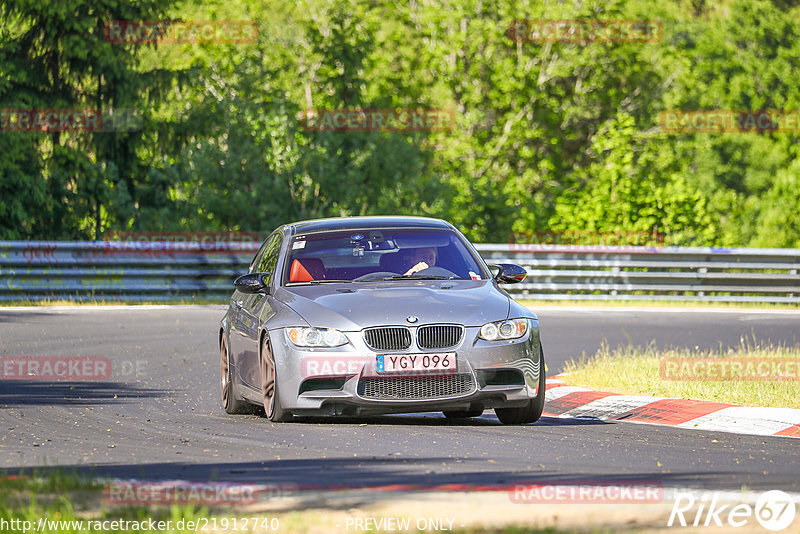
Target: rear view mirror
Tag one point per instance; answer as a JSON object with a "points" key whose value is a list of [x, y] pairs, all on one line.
{"points": [[252, 283], [509, 273]]}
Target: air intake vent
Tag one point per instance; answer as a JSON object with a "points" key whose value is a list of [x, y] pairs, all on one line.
{"points": [[410, 388], [439, 336], [392, 338]]}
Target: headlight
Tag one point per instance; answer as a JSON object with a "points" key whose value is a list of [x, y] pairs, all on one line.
{"points": [[511, 329], [316, 337]]}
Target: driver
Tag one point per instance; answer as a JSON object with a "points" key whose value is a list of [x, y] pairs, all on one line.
{"points": [[421, 258]]}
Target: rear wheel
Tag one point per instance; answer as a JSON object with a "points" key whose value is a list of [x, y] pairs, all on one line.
{"points": [[533, 411], [230, 402], [463, 414], [269, 385]]}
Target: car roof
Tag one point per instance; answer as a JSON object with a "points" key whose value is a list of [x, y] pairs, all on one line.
{"points": [[382, 221]]}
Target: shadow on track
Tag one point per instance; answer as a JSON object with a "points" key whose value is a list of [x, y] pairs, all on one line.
{"points": [[335, 474], [436, 419], [47, 393], [26, 316]]}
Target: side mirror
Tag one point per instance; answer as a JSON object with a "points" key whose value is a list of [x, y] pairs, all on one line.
{"points": [[252, 283], [509, 273]]}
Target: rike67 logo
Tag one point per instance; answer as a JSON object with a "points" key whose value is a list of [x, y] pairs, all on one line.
{"points": [[774, 510]]}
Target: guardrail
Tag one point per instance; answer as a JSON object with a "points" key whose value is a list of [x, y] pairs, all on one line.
{"points": [[596, 272], [151, 270], [121, 270]]}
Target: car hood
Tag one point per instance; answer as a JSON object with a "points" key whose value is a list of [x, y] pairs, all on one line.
{"points": [[354, 306]]}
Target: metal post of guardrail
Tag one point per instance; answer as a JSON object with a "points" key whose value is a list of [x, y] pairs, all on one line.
{"points": [[164, 270]]}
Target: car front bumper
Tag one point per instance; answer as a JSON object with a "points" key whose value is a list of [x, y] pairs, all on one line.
{"points": [[344, 380]]}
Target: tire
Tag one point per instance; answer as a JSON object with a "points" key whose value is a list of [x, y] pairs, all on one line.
{"points": [[273, 409], [230, 402], [533, 411], [464, 414]]}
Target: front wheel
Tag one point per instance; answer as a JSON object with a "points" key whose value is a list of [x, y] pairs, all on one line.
{"points": [[533, 411], [269, 386]]}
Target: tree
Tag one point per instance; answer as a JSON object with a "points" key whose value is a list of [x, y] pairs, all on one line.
{"points": [[55, 56]]}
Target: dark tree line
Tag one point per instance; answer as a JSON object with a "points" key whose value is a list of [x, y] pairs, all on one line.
{"points": [[548, 136]]}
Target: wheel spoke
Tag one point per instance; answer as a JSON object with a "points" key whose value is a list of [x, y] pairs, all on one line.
{"points": [[267, 379], [223, 364]]}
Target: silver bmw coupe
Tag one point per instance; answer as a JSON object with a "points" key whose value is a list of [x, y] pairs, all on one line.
{"points": [[376, 315]]}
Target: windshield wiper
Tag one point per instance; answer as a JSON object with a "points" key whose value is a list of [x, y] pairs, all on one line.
{"points": [[415, 277]]}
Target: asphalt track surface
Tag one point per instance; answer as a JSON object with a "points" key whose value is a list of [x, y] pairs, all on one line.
{"points": [[167, 423]]}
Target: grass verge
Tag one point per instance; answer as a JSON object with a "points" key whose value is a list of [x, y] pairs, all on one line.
{"points": [[693, 374], [62, 502]]}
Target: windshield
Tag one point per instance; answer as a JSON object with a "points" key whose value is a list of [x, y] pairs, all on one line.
{"points": [[377, 255]]}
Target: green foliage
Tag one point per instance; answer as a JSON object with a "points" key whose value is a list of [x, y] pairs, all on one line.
{"points": [[23, 196], [54, 56], [555, 136], [633, 185], [779, 217]]}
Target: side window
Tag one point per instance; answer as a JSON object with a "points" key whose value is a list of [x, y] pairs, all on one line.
{"points": [[258, 256], [269, 260]]}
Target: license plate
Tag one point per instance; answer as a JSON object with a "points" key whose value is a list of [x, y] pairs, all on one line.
{"points": [[409, 363]]}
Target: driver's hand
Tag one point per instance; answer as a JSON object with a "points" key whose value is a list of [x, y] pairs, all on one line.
{"points": [[415, 269]]}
